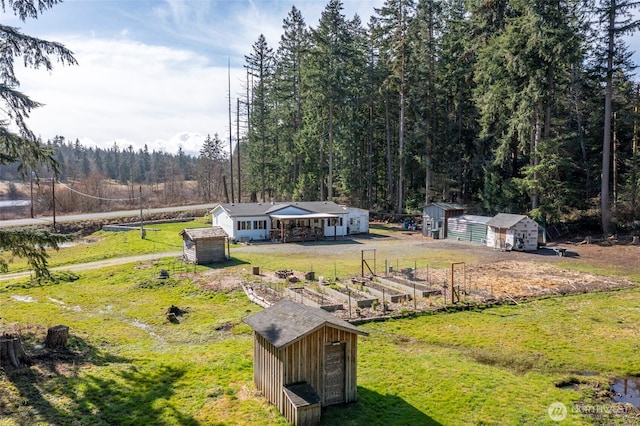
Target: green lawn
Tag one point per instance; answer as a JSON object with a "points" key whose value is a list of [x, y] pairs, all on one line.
{"points": [[103, 245], [496, 366]]}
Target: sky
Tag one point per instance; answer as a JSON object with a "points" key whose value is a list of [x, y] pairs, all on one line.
{"points": [[156, 72]]}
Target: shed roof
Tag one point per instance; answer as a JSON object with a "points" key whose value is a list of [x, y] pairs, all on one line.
{"points": [[286, 322], [505, 220], [445, 206], [211, 232], [471, 218], [261, 209]]}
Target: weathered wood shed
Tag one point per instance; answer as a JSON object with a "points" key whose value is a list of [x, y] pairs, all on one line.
{"points": [[204, 245], [304, 358], [435, 217]]}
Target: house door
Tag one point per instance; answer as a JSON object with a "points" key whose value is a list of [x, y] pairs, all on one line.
{"points": [[334, 372]]}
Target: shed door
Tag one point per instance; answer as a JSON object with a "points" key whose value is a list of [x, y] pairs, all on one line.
{"points": [[334, 370]]}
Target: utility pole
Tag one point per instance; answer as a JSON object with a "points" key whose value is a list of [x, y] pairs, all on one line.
{"points": [[53, 197], [238, 148], [31, 186], [142, 232], [230, 134]]}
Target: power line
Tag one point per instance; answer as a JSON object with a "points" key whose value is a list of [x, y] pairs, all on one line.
{"points": [[93, 196]]}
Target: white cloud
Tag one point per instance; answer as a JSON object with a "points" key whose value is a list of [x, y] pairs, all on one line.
{"points": [[167, 91], [132, 93]]}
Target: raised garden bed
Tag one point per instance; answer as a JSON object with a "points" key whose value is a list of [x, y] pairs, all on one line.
{"points": [[361, 299], [408, 286], [387, 293], [309, 297]]}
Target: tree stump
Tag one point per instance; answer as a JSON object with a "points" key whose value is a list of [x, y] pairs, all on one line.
{"points": [[57, 337], [11, 351]]}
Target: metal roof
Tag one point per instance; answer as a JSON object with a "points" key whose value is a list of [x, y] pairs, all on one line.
{"points": [[304, 216], [445, 206], [262, 209], [212, 232], [286, 322], [471, 218], [505, 220]]}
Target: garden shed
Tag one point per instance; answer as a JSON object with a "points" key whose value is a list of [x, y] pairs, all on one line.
{"points": [[435, 217], [304, 358], [468, 227], [204, 245], [512, 232]]}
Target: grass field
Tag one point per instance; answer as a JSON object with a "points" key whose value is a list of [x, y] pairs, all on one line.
{"points": [[504, 365]]}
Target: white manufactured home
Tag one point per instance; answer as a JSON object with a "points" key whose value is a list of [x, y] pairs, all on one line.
{"points": [[285, 221]]}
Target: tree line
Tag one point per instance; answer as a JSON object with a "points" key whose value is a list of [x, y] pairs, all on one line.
{"points": [[93, 178], [502, 105], [522, 106]]}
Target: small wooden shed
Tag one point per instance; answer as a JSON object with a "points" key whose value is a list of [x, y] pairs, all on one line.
{"points": [[512, 232], [304, 358], [204, 245]]}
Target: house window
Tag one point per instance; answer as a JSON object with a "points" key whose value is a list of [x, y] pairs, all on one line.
{"points": [[259, 224], [244, 224]]}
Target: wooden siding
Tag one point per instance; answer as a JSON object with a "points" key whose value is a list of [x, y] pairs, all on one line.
{"points": [[302, 416], [301, 405], [267, 371], [203, 251], [303, 361]]}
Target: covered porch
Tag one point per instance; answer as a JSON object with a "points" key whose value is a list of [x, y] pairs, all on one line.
{"points": [[302, 227]]}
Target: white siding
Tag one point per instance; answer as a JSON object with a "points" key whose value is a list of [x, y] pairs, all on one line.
{"points": [[220, 218], [358, 220], [527, 229], [251, 234]]}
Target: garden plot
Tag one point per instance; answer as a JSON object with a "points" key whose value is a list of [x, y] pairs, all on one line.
{"points": [[351, 295], [384, 292], [409, 286], [309, 297]]}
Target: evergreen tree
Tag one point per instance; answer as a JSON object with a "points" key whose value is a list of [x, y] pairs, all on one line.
{"points": [[287, 99], [618, 19], [23, 148], [325, 77], [394, 19], [262, 149], [209, 167]]}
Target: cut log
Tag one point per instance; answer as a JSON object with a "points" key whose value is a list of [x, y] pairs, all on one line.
{"points": [[12, 353], [57, 337]]}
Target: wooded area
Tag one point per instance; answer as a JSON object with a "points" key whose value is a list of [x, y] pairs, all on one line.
{"points": [[496, 104], [501, 105]]}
